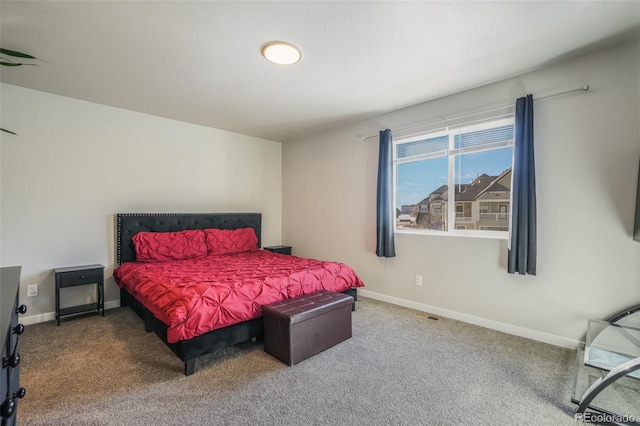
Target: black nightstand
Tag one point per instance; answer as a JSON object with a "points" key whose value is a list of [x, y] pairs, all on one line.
{"points": [[79, 275], [279, 249]]}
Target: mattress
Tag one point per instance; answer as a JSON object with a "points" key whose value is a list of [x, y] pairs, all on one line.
{"points": [[195, 296]]}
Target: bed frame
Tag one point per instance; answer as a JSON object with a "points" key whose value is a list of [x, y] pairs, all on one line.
{"points": [[129, 224]]}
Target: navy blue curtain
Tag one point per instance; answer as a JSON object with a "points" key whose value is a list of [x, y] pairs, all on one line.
{"points": [[385, 246], [523, 243]]}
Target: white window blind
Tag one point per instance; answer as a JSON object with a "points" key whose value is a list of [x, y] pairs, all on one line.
{"points": [[459, 140]]}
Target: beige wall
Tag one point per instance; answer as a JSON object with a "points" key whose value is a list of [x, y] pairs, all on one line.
{"points": [[75, 164], [587, 150]]}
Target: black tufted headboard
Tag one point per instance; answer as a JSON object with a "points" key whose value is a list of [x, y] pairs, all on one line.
{"points": [[129, 224]]}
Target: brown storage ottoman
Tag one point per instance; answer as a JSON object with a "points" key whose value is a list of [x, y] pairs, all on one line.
{"points": [[296, 329]]}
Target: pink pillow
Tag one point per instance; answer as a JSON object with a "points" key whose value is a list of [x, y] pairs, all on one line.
{"points": [[164, 246], [228, 241]]}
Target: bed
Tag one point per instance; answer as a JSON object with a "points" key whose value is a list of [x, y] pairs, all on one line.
{"points": [[199, 300]]}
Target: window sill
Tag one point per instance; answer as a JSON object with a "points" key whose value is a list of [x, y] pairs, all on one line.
{"points": [[467, 234]]}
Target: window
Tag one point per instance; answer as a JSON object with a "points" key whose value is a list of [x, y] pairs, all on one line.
{"points": [[469, 164]]}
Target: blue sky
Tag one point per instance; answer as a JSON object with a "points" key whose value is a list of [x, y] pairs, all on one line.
{"points": [[416, 180]]}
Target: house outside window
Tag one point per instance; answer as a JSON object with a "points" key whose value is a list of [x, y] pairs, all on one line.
{"points": [[470, 164]]}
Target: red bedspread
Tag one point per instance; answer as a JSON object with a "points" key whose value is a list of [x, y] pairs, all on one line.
{"points": [[199, 295]]}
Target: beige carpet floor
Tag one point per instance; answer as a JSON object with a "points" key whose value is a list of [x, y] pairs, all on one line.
{"points": [[399, 368]]}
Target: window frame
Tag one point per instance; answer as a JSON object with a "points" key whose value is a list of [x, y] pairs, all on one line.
{"points": [[451, 153]]}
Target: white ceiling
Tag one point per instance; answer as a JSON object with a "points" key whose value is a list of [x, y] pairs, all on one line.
{"points": [[199, 61]]}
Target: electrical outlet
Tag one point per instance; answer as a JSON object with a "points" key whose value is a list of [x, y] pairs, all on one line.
{"points": [[32, 290], [419, 280]]}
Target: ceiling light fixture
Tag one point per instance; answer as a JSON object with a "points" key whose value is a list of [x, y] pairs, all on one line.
{"points": [[281, 53]]}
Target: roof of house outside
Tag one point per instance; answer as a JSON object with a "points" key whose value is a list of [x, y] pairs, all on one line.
{"points": [[467, 191], [482, 184], [423, 201], [476, 187], [440, 190]]}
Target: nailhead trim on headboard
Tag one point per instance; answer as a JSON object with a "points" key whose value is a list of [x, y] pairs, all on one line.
{"points": [[129, 224]]}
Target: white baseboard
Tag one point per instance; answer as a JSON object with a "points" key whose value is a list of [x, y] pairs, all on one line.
{"points": [[50, 316], [35, 319], [540, 336]]}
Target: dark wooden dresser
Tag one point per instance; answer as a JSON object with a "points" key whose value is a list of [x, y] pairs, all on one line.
{"points": [[10, 390]]}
